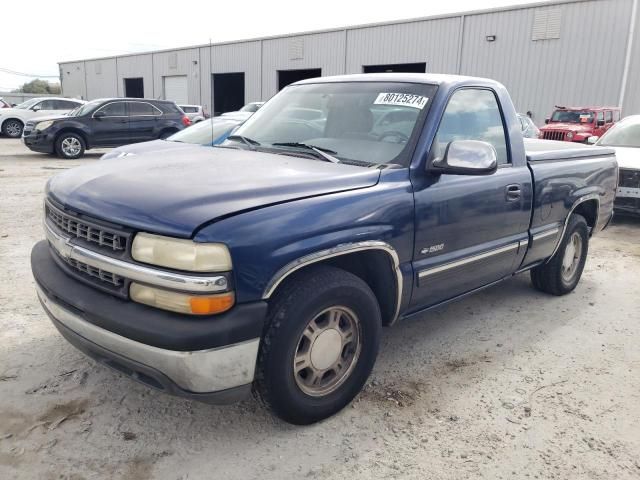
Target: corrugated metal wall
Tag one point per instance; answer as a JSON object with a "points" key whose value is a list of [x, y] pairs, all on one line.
{"points": [[583, 66], [136, 66], [178, 62], [320, 50], [432, 41], [73, 80], [632, 91]]}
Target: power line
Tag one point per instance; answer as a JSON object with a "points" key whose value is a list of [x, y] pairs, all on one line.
{"points": [[22, 74]]}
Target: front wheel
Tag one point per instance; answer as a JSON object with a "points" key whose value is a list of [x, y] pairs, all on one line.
{"points": [[12, 128], [561, 274], [70, 146], [320, 344]]}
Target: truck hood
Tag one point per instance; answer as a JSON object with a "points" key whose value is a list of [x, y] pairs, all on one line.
{"points": [[175, 192], [574, 127]]}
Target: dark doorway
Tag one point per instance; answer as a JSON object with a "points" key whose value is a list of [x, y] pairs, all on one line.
{"points": [[286, 77], [396, 67], [228, 92], [134, 87]]}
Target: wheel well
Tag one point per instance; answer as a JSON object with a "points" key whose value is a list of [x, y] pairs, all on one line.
{"points": [[375, 267], [73, 130], [171, 130], [589, 210], [11, 118]]}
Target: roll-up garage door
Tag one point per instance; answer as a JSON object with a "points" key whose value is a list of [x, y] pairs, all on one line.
{"points": [[175, 88]]}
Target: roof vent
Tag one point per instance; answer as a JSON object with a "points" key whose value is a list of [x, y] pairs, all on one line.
{"points": [[546, 24]]}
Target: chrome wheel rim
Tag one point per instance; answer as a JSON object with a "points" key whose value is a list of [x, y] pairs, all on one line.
{"points": [[13, 129], [70, 146], [571, 258], [327, 351]]}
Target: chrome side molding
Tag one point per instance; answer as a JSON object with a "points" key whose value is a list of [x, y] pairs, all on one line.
{"points": [[336, 251], [467, 260]]}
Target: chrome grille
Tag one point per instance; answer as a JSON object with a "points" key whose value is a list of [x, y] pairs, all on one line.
{"points": [[553, 135], [78, 228], [95, 272]]}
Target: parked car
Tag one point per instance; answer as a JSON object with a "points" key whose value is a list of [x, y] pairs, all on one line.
{"points": [[4, 103], [210, 132], [577, 124], [272, 261], [109, 122], [12, 120], [528, 128], [624, 137], [195, 112], [248, 108]]}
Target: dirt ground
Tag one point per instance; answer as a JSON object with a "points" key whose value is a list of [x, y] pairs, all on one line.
{"points": [[510, 383]]}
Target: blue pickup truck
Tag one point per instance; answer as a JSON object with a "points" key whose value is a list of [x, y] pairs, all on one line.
{"points": [[271, 262]]}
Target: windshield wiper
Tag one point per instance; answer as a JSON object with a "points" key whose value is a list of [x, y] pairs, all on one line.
{"points": [[323, 152], [249, 142]]}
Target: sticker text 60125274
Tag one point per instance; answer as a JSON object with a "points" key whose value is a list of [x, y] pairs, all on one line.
{"points": [[401, 100]]}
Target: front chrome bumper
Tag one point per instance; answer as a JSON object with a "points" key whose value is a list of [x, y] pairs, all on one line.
{"points": [[194, 372]]}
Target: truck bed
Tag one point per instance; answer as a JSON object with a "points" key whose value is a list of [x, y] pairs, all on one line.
{"points": [[549, 150]]}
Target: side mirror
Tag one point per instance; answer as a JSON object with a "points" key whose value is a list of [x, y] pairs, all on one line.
{"points": [[36, 108], [99, 114], [467, 157], [592, 139], [601, 123], [547, 120]]}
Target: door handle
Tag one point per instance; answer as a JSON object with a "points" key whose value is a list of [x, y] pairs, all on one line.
{"points": [[513, 192]]}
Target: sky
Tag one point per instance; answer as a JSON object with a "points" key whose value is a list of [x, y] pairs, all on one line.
{"points": [[33, 41]]}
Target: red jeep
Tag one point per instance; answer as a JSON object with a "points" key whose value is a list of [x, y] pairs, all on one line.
{"points": [[577, 124]]}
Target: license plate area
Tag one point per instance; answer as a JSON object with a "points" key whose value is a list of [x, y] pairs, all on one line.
{"points": [[628, 192]]}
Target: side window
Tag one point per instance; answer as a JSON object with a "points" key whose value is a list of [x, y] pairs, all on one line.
{"points": [[616, 116], [65, 105], [473, 114], [114, 109], [600, 116], [142, 108], [608, 117], [48, 105]]}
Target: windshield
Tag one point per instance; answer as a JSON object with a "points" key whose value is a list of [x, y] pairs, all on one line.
{"points": [[371, 122], [623, 134], [28, 104], [212, 131], [84, 109], [572, 116]]}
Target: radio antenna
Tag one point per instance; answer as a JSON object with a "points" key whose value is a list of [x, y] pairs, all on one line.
{"points": [[212, 87]]}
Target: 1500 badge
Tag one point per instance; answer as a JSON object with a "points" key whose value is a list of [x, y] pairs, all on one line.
{"points": [[432, 249]]}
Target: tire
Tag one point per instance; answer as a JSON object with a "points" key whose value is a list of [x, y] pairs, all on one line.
{"points": [[561, 274], [70, 146], [12, 128], [313, 299]]}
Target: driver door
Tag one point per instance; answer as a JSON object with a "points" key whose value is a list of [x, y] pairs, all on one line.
{"points": [[469, 229]]}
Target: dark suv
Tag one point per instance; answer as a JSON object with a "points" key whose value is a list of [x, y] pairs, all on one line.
{"points": [[108, 122]]}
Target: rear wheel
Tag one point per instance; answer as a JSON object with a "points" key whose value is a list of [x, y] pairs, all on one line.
{"points": [[70, 145], [561, 274], [320, 344], [12, 128]]}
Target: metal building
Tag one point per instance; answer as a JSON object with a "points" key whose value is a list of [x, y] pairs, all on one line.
{"points": [[573, 52]]}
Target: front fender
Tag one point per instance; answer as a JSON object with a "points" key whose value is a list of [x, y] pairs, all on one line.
{"points": [[265, 241]]}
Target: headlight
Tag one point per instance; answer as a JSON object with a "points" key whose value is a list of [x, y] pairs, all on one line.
{"points": [[181, 302], [569, 135], [180, 254], [40, 126]]}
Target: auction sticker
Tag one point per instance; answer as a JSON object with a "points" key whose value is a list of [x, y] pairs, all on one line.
{"points": [[401, 100]]}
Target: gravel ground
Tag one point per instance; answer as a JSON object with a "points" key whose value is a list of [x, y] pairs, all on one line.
{"points": [[509, 383]]}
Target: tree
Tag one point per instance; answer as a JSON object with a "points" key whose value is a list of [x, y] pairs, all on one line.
{"points": [[39, 86]]}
